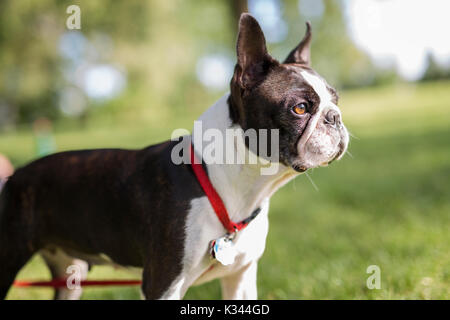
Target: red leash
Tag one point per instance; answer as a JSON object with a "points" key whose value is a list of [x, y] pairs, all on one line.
{"points": [[62, 283]]}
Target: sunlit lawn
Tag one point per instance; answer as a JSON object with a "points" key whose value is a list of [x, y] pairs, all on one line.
{"points": [[387, 205]]}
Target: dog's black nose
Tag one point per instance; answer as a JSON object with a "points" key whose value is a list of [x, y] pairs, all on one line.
{"points": [[332, 117]]}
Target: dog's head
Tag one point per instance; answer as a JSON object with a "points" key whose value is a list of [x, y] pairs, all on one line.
{"points": [[289, 96]]}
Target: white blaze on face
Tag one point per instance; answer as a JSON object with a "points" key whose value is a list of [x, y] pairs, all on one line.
{"points": [[326, 104], [319, 87], [322, 91]]}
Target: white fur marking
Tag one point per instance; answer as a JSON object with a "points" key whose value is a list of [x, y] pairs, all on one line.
{"points": [[322, 91], [319, 86]]}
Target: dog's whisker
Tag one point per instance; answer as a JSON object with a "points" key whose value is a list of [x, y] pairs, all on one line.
{"points": [[312, 182], [350, 154], [352, 135]]}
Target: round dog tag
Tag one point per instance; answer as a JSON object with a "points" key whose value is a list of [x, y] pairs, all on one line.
{"points": [[223, 251]]}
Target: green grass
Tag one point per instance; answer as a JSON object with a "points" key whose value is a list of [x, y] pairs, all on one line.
{"points": [[387, 205]]}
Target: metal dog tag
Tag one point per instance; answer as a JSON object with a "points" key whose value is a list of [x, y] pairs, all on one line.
{"points": [[223, 250]]}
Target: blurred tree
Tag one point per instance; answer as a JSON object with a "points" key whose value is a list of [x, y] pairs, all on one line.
{"points": [[156, 42], [238, 7], [28, 58], [434, 70], [30, 61], [333, 53]]}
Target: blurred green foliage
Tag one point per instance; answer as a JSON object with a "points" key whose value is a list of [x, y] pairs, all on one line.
{"points": [[434, 70], [158, 44]]}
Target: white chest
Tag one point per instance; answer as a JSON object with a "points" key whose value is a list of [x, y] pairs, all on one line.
{"points": [[203, 226]]}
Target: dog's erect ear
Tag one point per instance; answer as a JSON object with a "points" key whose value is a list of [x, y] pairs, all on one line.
{"points": [[253, 61], [301, 54]]}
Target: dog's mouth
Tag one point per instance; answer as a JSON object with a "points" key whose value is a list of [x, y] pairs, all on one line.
{"points": [[299, 168], [319, 149], [303, 168]]}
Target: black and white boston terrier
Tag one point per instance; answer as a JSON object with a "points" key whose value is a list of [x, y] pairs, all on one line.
{"points": [[140, 209]]}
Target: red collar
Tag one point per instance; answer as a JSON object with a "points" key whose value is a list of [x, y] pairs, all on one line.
{"points": [[215, 200]]}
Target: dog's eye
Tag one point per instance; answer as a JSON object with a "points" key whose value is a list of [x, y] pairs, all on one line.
{"points": [[299, 108]]}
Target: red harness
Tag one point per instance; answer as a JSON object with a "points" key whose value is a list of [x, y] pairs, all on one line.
{"points": [[215, 200]]}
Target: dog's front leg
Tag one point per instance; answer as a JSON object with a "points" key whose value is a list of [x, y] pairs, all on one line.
{"points": [[162, 282], [242, 284]]}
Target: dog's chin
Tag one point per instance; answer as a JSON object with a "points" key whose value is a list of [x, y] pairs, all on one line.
{"points": [[321, 148], [301, 167], [309, 160]]}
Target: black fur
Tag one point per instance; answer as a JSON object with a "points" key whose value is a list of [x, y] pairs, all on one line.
{"points": [[129, 204]]}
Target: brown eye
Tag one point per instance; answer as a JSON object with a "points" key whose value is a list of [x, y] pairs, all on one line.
{"points": [[299, 108]]}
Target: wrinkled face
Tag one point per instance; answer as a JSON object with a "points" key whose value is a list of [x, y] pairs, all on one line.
{"points": [[291, 97], [304, 108]]}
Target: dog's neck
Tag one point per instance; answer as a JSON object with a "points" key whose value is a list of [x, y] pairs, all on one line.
{"points": [[242, 187]]}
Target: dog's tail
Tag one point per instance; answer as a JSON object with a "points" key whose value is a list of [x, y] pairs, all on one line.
{"points": [[3, 198], [15, 249], [2, 183], [6, 202]]}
